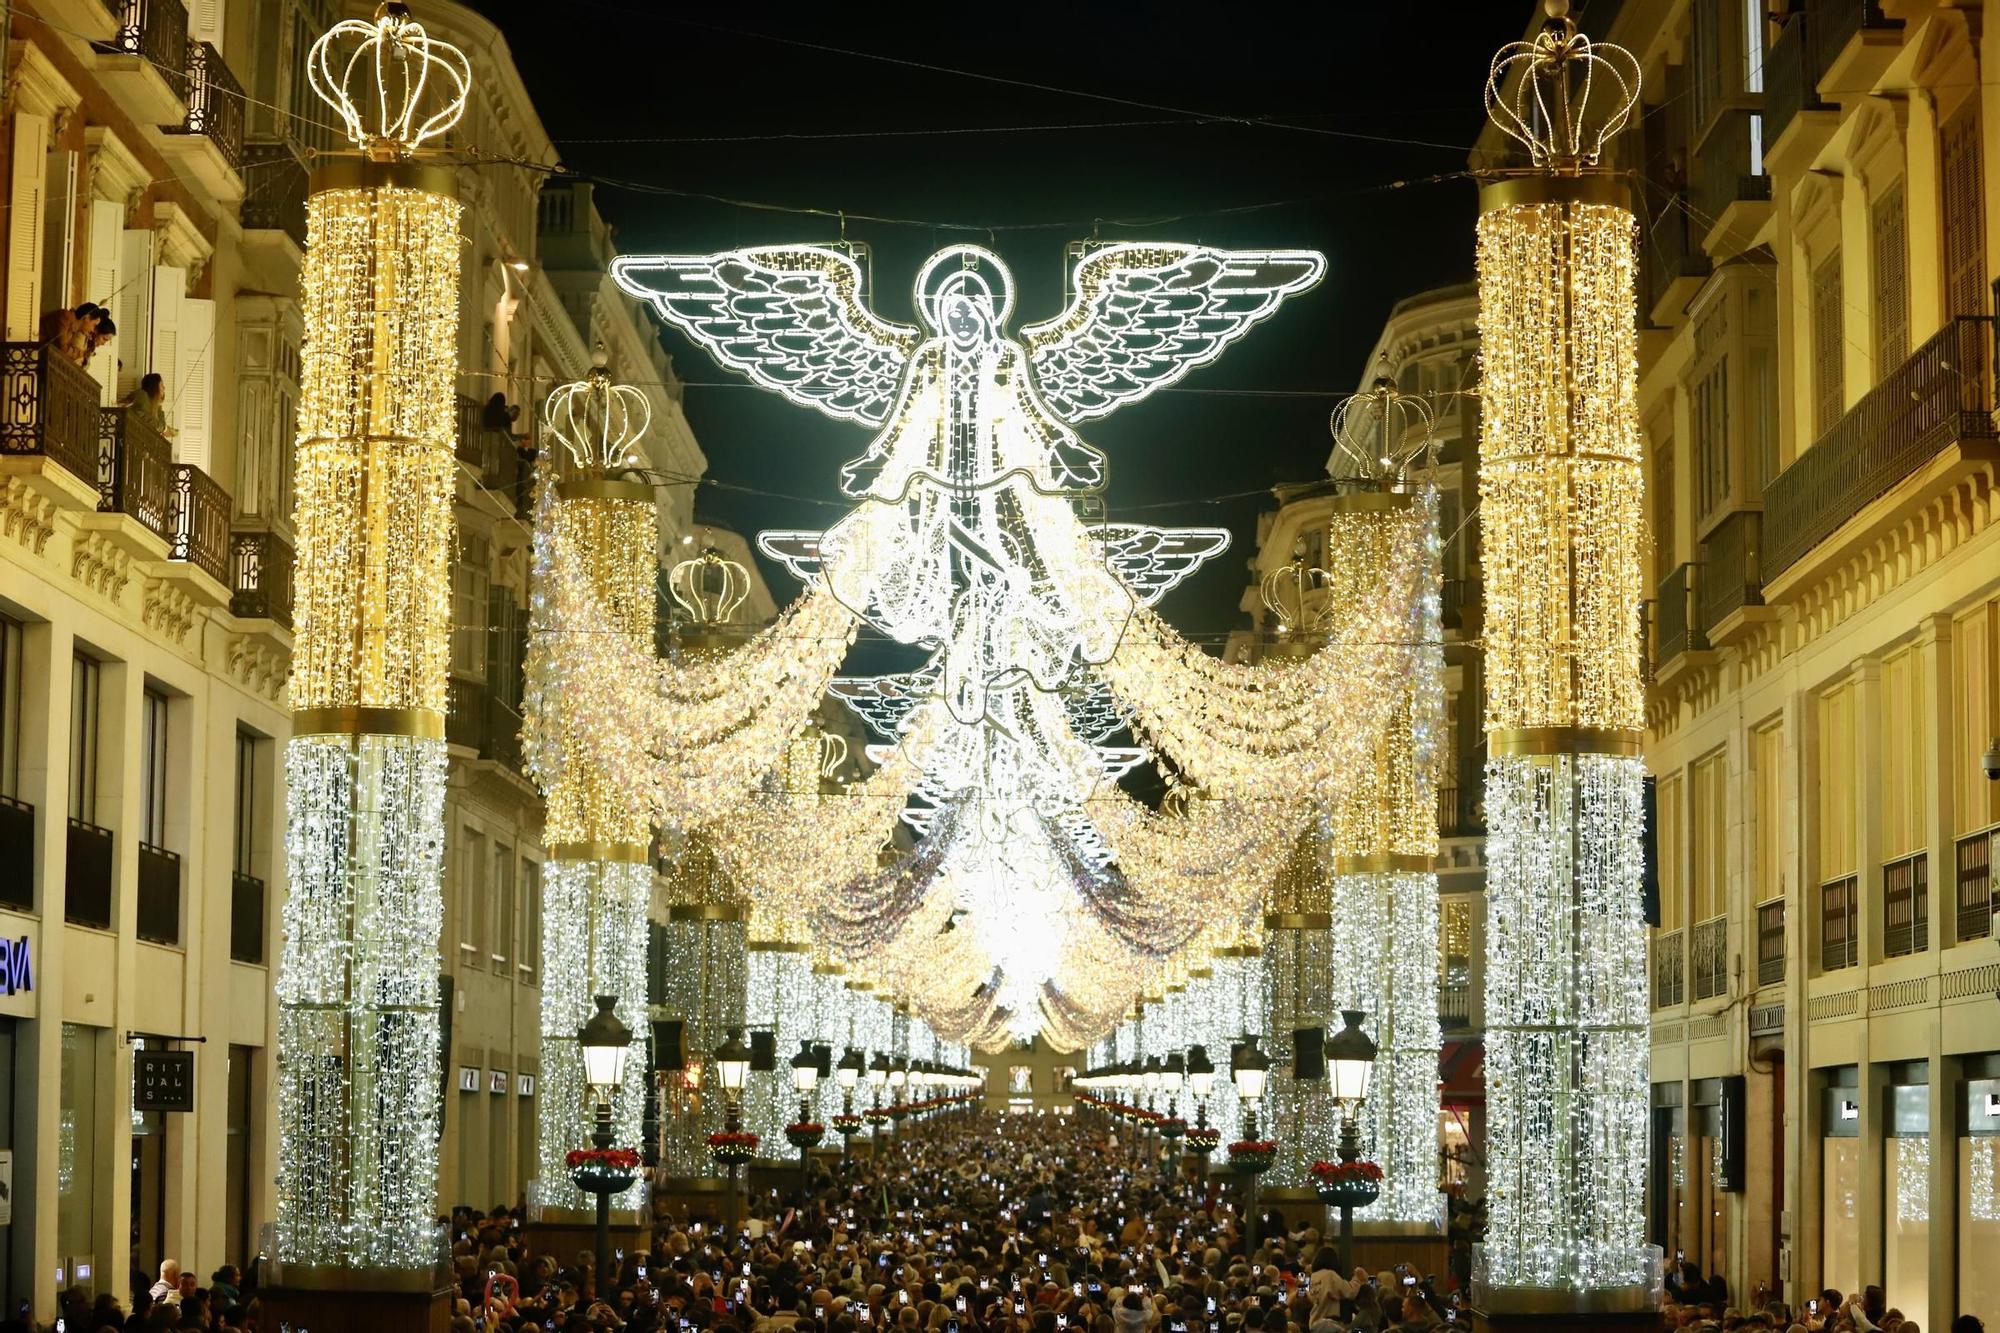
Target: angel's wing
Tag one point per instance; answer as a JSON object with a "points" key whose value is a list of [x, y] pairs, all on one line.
{"points": [[1151, 560], [1146, 313], [788, 316]]}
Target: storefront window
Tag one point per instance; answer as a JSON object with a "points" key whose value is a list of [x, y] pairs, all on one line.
{"points": [[1978, 1224], [76, 1138], [1840, 1214], [1906, 1267]]}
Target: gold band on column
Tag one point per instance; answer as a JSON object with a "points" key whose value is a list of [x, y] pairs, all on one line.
{"points": [[631, 853], [419, 723], [604, 488], [1562, 740], [704, 912], [1383, 863], [1299, 920]]}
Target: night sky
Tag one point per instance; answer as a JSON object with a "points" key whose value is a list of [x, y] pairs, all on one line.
{"points": [[663, 104]]}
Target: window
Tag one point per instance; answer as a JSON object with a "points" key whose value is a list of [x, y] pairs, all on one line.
{"points": [[503, 905], [471, 896], [1709, 841], [531, 926], [1959, 169], [1771, 942], [246, 904], [1828, 349], [153, 767], [83, 725], [1975, 887], [1906, 907], [1889, 252], [1838, 945], [468, 609], [1664, 518], [1753, 44], [10, 707]]}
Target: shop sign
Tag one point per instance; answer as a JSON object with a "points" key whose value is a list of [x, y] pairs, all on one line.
{"points": [[164, 1081], [17, 971]]}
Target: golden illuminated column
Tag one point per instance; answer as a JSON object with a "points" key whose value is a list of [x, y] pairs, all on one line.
{"points": [[358, 1077], [598, 880], [1298, 976], [1561, 518], [1382, 817]]}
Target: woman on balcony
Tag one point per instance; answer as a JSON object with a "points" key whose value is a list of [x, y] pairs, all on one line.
{"points": [[149, 403]]}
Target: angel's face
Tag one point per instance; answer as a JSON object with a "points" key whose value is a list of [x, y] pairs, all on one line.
{"points": [[965, 319]]}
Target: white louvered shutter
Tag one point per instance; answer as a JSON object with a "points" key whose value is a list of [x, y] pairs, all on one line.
{"points": [[59, 233], [205, 22], [132, 309], [192, 388], [101, 282], [169, 291], [24, 227]]}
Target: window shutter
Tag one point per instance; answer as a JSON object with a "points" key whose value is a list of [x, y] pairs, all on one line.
{"points": [[193, 383], [59, 233], [132, 308], [103, 266], [1829, 388], [205, 22], [1964, 242], [1890, 251], [24, 227], [169, 292]]}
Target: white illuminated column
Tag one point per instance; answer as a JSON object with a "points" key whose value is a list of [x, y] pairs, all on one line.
{"points": [[358, 1079], [598, 880], [1562, 528]]}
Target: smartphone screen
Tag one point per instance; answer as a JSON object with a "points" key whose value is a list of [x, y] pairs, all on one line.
{"points": [[960, 1304]]}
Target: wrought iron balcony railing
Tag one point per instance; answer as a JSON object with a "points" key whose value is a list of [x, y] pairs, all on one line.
{"points": [[214, 103], [50, 408], [1709, 943], [1678, 627], [199, 529], [1729, 573], [134, 469], [1943, 394], [1669, 969], [275, 185], [1771, 942], [260, 577], [157, 32]]}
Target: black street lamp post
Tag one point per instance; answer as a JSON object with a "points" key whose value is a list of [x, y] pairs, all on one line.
{"points": [[1249, 1067], [732, 1067], [605, 1041], [1350, 1058]]}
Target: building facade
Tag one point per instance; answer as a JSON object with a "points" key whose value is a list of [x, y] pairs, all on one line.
{"points": [[1817, 402], [155, 160]]}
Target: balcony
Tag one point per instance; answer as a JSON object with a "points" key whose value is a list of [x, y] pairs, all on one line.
{"points": [[1833, 27], [246, 918], [134, 470], [87, 876], [17, 849], [159, 915], [1729, 573], [145, 63], [1678, 626], [1455, 1005], [1458, 600], [1939, 398], [260, 577], [1906, 906], [1709, 943], [198, 522], [481, 721], [1791, 77], [50, 413], [1732, 195], [1675, 263], [493, 455], [208, 141], [1669, 970], [1771, 942], [1839, 941], [1975, 888], [275, 185]]}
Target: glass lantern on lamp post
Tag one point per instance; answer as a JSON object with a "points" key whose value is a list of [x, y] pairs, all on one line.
{"points": [[1350, 1059], [1202, 1137], [604, 1041], [732, 1146]]}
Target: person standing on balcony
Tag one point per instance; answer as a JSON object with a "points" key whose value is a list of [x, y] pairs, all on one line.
{"points": [[148, 402]]}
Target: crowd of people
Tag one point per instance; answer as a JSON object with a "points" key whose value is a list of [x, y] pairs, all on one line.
{"points": [[970, 1224]]}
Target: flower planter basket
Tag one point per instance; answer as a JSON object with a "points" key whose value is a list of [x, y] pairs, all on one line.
{"points": [[1347, 1184], [1253, 1157], [1173, 1127], [847, 1126], [1203, 1139], [732, 1149], [805, 1134], [603, 1170]]}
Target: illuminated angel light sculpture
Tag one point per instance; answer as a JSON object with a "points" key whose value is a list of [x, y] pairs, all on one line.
{"points": [[966, 540]]}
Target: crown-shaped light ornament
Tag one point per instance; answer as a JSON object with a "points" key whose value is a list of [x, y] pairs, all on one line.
{"points": [[599, 422], [709, 587], [394, 86], [1569, 95], [1379, 434], [1295, 594]]}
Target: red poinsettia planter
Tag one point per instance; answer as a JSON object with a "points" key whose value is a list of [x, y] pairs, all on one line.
{"points": [[1203, 1139], [847, 1126], [805, 1134], [1347, 1184], [603, 1170], [1253, 1157], [729, 1149]]}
